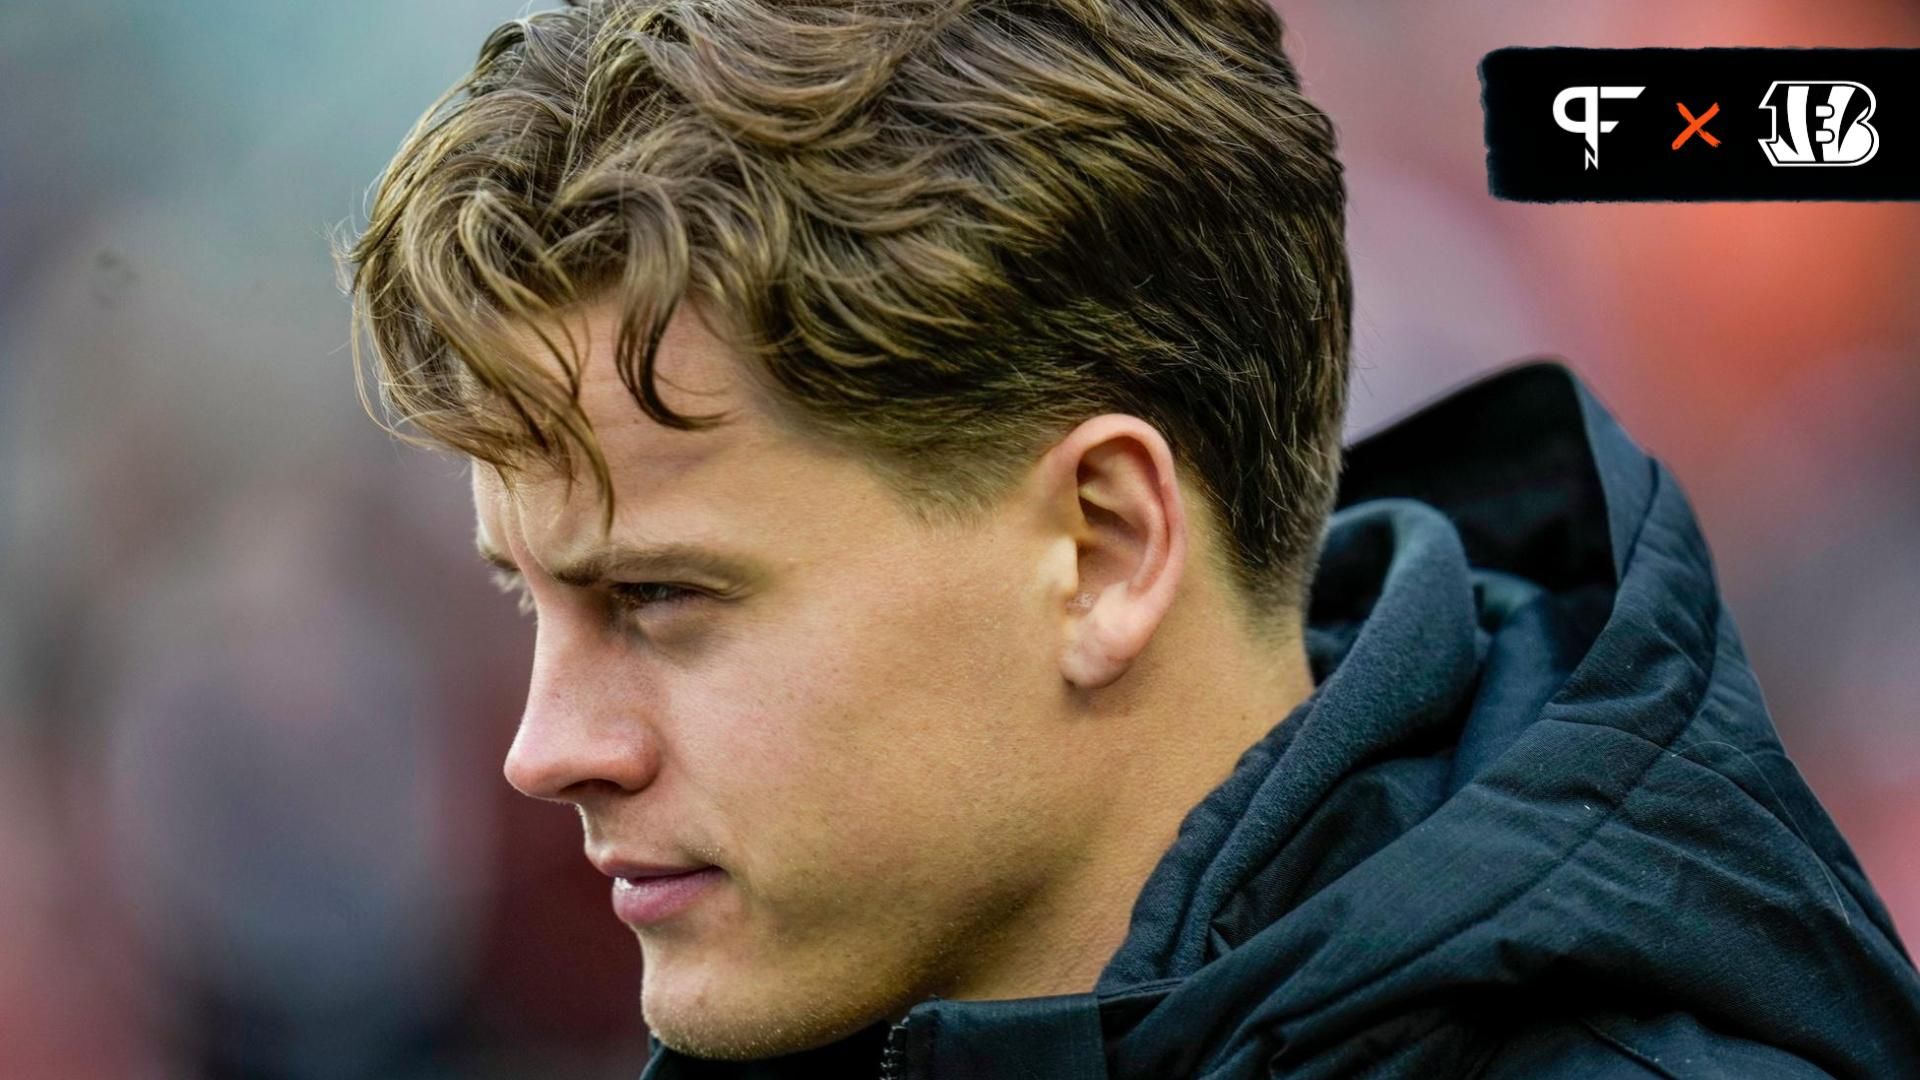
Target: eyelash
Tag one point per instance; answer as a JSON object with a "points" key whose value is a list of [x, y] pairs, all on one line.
{"points": [[629, 597], [639, 595], [514, 586]]}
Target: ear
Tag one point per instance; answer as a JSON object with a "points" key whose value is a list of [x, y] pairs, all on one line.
{"points": [[1114, 498]]}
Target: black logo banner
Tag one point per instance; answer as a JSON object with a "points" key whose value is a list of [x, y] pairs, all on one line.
{"points": [[1565, 124]]}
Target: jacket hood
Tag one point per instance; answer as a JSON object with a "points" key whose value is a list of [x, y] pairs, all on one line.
{"points": [[1534, 809]]}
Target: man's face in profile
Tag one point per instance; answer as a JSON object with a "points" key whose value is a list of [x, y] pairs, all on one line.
{"points": [[854, 726]]}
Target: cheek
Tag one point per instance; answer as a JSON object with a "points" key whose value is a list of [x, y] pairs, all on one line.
{"points": [[848, 728]]}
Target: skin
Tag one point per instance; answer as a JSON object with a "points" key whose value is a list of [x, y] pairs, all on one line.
{"points": [[929, 760]]}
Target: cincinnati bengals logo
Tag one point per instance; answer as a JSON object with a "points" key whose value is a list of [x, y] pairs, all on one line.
{"points": [[1826, 123]]}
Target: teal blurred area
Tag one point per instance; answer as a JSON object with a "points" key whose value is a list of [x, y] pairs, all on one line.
{"points": [[255, 689]]}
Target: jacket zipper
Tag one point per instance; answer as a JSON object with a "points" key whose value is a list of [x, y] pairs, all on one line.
{"points": [[893, 1056]]}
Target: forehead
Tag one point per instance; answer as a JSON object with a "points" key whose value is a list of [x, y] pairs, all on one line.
{"points": [[661, 477]]}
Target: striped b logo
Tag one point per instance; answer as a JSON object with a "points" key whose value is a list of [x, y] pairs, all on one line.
{"points": [[1825, 123]]}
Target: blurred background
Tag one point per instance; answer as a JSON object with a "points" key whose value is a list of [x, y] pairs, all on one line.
{"points": [[255, 689]]}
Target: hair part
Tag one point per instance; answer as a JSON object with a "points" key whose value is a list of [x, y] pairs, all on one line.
{"points": [[942, 233]]}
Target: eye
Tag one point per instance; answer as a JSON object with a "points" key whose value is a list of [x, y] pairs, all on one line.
{"points": [[515, 586], [636, 596]]}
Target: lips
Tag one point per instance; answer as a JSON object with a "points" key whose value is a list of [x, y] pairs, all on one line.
{"points": [[623, 868], [647, 896]]}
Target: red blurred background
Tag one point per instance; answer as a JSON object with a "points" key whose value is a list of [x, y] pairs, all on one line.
{"points": [[255, 690]]}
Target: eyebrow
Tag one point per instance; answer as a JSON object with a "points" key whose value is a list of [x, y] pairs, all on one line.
{"points": [[610, 563]]}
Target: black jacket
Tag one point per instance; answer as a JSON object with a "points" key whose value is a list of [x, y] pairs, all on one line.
{"points": [[1532, 822]]}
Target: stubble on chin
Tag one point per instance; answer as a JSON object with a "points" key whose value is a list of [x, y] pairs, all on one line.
{"points": [[824, 985], [763, 1016]]}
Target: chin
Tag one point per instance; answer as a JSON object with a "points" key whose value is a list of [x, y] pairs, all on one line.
{"points": [[751, 1015]]}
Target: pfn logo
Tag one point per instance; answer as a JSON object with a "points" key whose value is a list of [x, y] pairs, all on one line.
{"points": [[1590, 124], [1826, 123]]}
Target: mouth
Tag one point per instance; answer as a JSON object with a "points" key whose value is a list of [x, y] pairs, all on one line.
{"points": [[649, 895]]}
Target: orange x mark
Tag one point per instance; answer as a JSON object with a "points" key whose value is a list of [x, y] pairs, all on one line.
{"points": [[1698, 125]]}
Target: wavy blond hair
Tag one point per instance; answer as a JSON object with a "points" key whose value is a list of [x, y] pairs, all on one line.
{"points": [[941, 231]]}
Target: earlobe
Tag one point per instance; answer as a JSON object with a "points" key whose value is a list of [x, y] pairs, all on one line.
{"points": [[1090, 660]]}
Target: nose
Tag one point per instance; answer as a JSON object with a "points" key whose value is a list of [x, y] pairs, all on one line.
{"points": [[583, 731]]}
